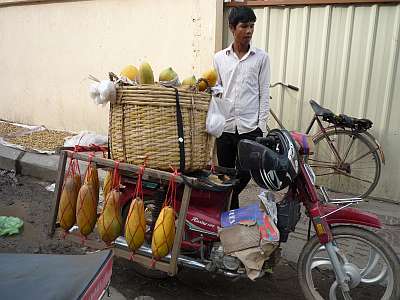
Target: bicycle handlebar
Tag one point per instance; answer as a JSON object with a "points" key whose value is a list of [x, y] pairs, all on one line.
{"points": [[290, 86]]}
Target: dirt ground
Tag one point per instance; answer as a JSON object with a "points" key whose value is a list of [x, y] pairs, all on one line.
{"points": [[27, 198]]}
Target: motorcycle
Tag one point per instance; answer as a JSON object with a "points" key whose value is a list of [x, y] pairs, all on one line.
{"points": [[350, 257]]}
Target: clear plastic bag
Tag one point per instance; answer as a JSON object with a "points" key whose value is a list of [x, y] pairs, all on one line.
{"points": [[215, 122], [268, 200]]}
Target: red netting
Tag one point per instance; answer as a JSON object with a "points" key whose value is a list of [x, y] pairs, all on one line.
{"points": [[68, 203], [87, 210], [135, 226], [169, 232], [106, 227]]}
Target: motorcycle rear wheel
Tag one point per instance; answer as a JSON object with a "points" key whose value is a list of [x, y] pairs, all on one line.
{"points": [[368, 260]]}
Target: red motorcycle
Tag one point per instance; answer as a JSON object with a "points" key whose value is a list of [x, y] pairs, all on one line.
{"points": [[350, 258]]}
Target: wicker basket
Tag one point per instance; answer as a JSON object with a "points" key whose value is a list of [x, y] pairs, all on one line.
{"points": [[143, 123]]}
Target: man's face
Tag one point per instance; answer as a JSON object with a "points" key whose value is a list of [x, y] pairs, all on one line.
{"points": [[243, 32]]}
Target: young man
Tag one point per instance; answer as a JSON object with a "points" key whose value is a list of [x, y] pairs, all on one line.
{"points": [[244, 74]]}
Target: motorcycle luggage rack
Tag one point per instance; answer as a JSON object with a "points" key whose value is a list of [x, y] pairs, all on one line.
{"points": [[343, 202], [326, 199], [170, 266]]}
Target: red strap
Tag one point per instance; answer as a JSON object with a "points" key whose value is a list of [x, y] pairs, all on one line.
{"points": [[170, 198], [139, 188], [116, 178]]}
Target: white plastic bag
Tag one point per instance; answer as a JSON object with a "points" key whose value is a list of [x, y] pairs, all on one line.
{"points": [[268, 200], [103, 92], [85, 138], [215, 121]]}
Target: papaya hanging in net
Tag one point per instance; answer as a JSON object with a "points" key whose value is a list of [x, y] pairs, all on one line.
{"points": [[109, 224], [69, 195], [135, 225], [164, 233], [86, 212]]}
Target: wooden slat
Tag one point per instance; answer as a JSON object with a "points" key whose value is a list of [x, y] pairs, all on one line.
{"points": [[260, 3], [108, 163], [57, 192], [179, 230], [99, 245]]}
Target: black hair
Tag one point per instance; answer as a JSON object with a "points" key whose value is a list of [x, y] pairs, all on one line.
{"points": [[242, 14]]}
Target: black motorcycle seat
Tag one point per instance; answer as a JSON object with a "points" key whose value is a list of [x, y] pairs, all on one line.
{"points": [[49, 276], [321, 111]]}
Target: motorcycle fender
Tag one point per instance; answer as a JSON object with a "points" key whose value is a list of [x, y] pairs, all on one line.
{"points": [[349, 215]]}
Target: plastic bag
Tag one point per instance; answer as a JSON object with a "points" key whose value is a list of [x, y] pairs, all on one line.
{"points": [[215, 122], [268, 200], [10, 225], [85, 138], [103, 92]]}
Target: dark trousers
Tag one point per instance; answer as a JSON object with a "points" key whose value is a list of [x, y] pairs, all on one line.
{"points": [[227, 151]]}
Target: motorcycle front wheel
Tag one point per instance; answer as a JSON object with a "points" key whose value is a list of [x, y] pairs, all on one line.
{"points": [[371, 266]]}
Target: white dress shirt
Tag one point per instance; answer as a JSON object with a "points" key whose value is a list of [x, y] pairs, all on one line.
{"points": [[245, 83]]}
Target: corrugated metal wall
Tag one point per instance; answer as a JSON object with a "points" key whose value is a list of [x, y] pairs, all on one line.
{"points": [[345, 57]]}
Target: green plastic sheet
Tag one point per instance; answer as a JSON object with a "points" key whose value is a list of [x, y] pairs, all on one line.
{"points": [[10, 225]]}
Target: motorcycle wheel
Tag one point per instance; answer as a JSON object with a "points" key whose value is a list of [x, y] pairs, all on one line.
{"points": [[369, 262]]}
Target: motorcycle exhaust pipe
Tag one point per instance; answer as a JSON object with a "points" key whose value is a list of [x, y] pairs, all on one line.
{"points": [[145, 250]]}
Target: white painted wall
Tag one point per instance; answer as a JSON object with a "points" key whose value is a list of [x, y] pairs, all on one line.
{"points": [[47, 51]]}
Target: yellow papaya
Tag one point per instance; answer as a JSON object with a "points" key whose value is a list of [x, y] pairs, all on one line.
{"points": [[86, 209], [211, 77], [67, 207], [109, 224], [146, 75], [130, 72], [164, 233], [190, 81], [107, 183], [92, 178], [168, 75], [77, 182], [135, 225]]}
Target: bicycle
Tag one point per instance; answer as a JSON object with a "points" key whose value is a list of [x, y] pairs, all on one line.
{"points": [[346, 157]]}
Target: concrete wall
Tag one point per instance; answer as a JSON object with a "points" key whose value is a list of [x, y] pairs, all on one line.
{"points": [[48, 49]]}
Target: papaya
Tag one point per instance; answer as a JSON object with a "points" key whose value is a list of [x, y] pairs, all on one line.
{"points": [[130, 72], [146, 75], [86, 209], [109, 224], [135, 225], [107, 183], [164, 233], [77, 182], [92, 178], [190, 81], [211, 77], [67, 207], [168, 75]]}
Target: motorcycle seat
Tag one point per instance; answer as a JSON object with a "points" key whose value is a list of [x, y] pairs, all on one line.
{"points": [[50, 276]]}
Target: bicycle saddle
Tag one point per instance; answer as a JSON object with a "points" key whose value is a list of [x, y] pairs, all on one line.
{"points": [[321, 111]]}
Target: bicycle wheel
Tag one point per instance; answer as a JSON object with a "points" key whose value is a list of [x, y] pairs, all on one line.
{"points": [[345, 162]]}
